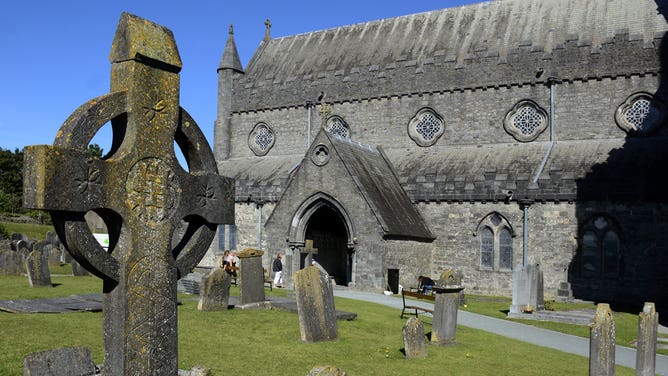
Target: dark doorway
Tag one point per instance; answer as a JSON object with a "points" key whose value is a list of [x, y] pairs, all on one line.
{"points": [[329, 236]]}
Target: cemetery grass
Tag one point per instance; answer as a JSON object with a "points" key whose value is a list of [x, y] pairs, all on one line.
{"points": [[626, 324], [267, 342], [32, 230]]}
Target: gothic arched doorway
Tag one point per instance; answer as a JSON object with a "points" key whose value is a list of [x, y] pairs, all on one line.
{"points": [[330, 237]]}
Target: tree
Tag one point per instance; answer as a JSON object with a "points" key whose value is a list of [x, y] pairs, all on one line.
{"points": [[94, 150]]}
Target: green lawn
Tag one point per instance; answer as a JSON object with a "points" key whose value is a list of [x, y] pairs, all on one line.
{"points": [[267, 342], [33, 231]]}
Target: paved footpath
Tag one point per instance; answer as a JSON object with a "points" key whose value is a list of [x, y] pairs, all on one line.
{"points": [[624, 356]]}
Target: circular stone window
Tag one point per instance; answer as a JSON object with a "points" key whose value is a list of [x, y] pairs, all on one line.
{"points": [[426, 127], [320, 155], [261, 139], [640, 113], [525, 121]]}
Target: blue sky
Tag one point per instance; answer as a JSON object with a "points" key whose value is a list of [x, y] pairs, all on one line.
{"points": [[55, 53]]}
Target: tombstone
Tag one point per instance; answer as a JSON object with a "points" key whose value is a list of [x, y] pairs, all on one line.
{"points": [[37, 267], [141, 192], [17, 236], [648, 326], [78, 270], [315, 305], [60, 362], [10, 262], [326, 371], [527, 290], [215, 291], [251, 277], [53, 239], [310, 251], [448, 290], [415, 345], [602, 342]]}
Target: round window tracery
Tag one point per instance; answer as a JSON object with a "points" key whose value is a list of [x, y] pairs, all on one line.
{"points": [[426, 127], [525, 121], [261, 139], [338, 127], [640, 113]]}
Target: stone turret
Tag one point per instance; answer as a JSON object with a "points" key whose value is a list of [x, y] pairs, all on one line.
{"points": [[230, 65]]}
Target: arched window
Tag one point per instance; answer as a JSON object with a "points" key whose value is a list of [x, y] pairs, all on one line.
{"points": [[599, 248], [496, 243]]}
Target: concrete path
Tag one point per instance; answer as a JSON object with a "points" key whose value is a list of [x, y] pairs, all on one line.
{"points": [[624, 356]]}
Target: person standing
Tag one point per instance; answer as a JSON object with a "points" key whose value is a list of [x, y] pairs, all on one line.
{"points": [[277, 268]]}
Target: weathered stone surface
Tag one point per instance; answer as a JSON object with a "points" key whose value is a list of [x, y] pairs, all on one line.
{"points": [[77, 269], [141, 192], [415, 345], [60, 362], [444, 325], [251, 278], [648, 326], [527, 290], [215, 291], [10, 262], [37, 266], [326, 371], [315, 305], [602, 342]]}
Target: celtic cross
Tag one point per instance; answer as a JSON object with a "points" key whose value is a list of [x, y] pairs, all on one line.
{"points": [[160, 218]]}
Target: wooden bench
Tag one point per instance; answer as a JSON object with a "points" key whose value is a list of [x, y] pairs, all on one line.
{"points": [[417, 295], [268, 280]]}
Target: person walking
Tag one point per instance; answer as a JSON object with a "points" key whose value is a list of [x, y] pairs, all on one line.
{"points": [[277, 268]]}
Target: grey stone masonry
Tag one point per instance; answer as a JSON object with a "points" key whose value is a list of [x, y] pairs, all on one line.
{"points": [[60, 362], [165, 217], [215, 291], [602, 342], [251, 277], [415, 345], [648, 326], [315, 305], [37, 266]]}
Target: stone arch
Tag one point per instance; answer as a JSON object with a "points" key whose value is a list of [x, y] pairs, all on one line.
{"points": [[306, 210]]}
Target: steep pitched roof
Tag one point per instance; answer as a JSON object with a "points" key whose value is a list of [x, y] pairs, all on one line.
{"points": [[375, 178], [230, 59], [495, 43]]}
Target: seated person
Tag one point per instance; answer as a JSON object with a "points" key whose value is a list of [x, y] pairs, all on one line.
{"points": [[425, 284]]}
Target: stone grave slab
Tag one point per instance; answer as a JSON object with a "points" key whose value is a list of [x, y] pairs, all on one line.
{"points": [[315, 305], [67, 361]]}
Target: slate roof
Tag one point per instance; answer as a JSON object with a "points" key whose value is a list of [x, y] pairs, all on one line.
{"points": [[489, 44], [376, 180], [628, 170]]}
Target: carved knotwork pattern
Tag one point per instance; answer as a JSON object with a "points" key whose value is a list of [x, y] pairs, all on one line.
{"points": [[152, 190]]}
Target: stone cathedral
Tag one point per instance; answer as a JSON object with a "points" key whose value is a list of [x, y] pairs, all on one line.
{"points": [[481, 138]]}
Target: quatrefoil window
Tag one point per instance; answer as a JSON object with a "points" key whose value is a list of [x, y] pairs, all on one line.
{"points": [[426, 127], [640, 113], [338, 127], [261, 139], [525, 121]]}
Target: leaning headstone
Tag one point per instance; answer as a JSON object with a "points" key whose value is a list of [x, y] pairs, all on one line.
{"points": [[648, 326], [448, 290], [326, 371], [146, 189], [215, 291], [527, 290], [251, 278], [10, 262], [37, 266], [60, 362], [602, 342], [315, 305], [415, 345], [78, 270]]}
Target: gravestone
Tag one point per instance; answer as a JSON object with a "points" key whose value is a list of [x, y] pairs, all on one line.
{"points": [[37, 267], [415, 345], [648, 326], [448, 290], [78, 270], [310, 251], [315, 305], [60, 362], [215, 291], [141, 192], [527, 290], [251, 277], [10, 262], [602, 342], [326, 371]]}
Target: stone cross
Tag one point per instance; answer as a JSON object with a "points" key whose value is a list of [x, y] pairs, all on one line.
{"points": [[161, 218], [310, 251], [324, 112]]}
